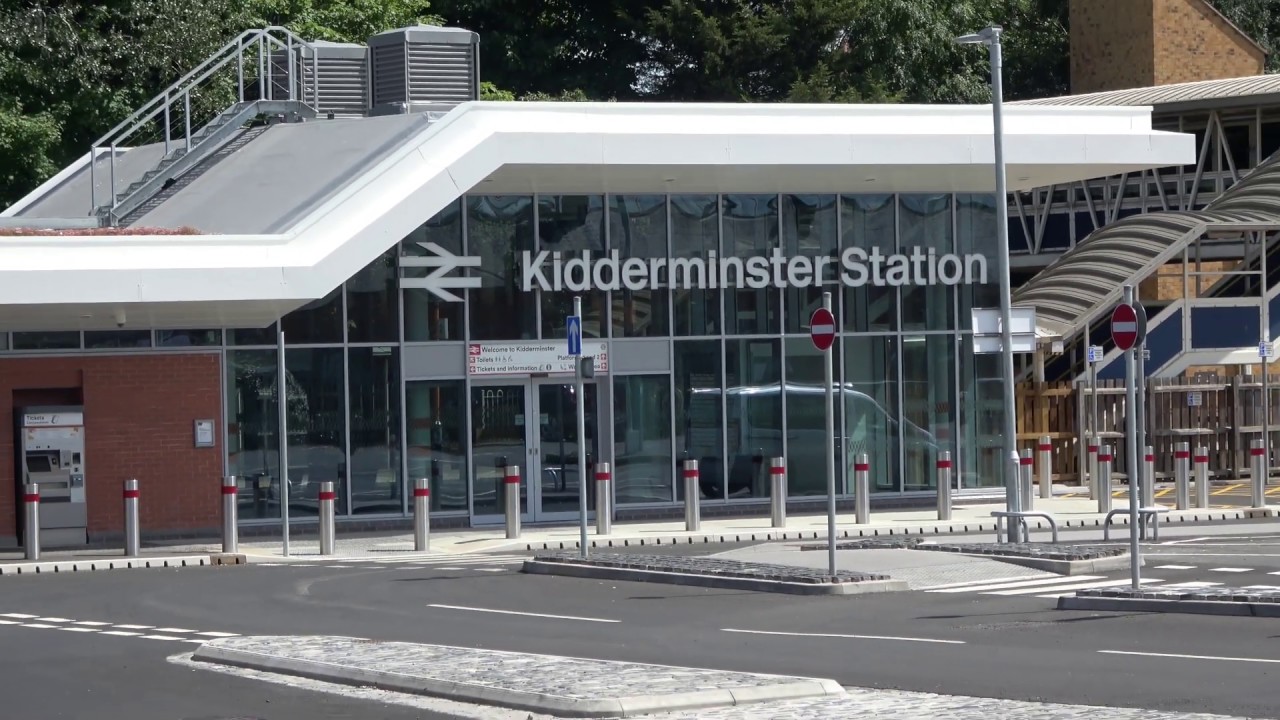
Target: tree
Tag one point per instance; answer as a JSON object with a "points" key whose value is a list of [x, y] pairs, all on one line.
{"points": [[339, 20], [1260, 19]]}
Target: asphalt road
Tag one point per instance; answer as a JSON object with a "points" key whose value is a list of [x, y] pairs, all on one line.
{"points": [[962, 643]]}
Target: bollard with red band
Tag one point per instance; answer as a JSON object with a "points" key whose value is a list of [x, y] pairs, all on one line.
{"points": [[1258, 456], [230, 507], [777, 492], [1093, 467], [1026, 468], [511, 499], [421, 515], [131, 530], [692, 510], [31, 521], [1104, 479], [1148, 495], [604, 495], [1046, 467], [1181, 475], [944, 485], [327, 497], [1201, 465], [862, 489]]}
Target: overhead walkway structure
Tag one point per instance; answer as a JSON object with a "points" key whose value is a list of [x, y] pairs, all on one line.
{"points": [[1217, 316]]}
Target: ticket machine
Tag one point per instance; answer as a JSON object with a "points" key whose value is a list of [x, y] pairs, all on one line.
{"points": [[50, 452]]}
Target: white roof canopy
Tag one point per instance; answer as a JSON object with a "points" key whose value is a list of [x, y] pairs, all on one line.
{"points": [[248, 280]]}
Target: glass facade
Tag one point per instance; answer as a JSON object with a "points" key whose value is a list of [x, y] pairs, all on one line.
{"points": [[380, 389]]}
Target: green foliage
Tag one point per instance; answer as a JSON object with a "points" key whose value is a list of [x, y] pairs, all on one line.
{"points": [[339, 20], [1260, 19], [489, 91]]}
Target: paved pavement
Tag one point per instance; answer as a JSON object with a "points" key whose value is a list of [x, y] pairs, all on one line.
{"points": [[1230, 495]]}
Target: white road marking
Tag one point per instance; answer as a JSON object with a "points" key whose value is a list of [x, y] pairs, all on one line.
{"points": [[1189, 657], [211, 633], [1175, 567], [9, 622], [1055, 580], [490, 570], [525, 614], [845, 637], [1069, 587], [161, 637], [135, 627], [1261, 587], [121, 633], [1229, 569], [1185, 540], [79, 629], [1197, 584], [54, 619], [94, 623], [173, 630], [970, 583], [20, 616], [38, 625]]}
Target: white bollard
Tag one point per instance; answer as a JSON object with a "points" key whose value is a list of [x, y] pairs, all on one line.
{"points": [[31, 521], [944, 486], [692, 493], [1258, 454], [1046, 468], [230, 508], [604, 509], [1026, 466], [1093, 468], [511, 499], [421, 515], [1181, 475], [1202, 477], [862, 489], [1149, 477], [131, 531], [778, 492], [1104, 479], [327, 497]]}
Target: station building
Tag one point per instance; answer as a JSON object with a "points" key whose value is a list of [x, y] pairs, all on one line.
{"points": [[419, 252]]}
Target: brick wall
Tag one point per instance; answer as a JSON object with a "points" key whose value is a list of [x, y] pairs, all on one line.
{"points": [[1194, 42], [139, 416], [1166, 282], [1119, 44]]}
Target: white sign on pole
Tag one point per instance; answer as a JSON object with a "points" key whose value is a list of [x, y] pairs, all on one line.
{"points": [[1264, 350], [986, 329], [1194, 399], [1095, 353], [516, 358]]}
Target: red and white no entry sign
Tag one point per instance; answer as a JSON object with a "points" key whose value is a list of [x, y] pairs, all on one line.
{"points": [[1124, 326], [822, 328]]}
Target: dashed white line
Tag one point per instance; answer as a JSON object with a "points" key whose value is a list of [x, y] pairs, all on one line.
{"points": [[524, 614], [1069, 586], [1230, 569], [1189, 657], [121, 633], [38, 625], [212, 633], [845, 637], [54, 619], [79, 629], [1175, 567], [9, 622], [161, 637], [1000, 585], [20, 616], [135, 627], [94, 623], [173, 630], [1196, 584], [490, 570]]}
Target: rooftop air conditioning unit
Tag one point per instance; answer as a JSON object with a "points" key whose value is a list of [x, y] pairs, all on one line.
{"points": [[343, 70], [423, 68]]}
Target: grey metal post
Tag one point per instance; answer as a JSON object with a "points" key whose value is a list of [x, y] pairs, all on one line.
{"points": [[1046, 467], [31, 522], [581, 405], [230, 509], [692, 511], [1094, 438], [1104, 479], [1181, 475], [511, 499], [862, 489], [131, 531], [1202, 477], [1093, 467], [1258, 454], [327, 496], [604, 495], [829, 383], [1131, 447], [282, 408], [944, 485], [1149, 477], [1026, 468], [421, 514], [778, 492]]}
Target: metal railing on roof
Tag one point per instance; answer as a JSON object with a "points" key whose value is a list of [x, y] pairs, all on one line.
{"points": [[204, 94]]}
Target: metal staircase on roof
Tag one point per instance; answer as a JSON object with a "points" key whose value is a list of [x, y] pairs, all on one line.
{"points": [[211, 105]]}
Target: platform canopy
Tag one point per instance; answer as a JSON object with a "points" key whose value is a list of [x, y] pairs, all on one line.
{"points": [[300, 208]]}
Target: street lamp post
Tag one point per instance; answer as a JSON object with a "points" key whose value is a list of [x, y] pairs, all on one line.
{"points": [[991, 38]]}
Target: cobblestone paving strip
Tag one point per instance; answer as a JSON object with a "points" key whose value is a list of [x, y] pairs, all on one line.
{"points": [[902, 705], [881, 543], [1047, 551], [1218, 594], [719, 567]]}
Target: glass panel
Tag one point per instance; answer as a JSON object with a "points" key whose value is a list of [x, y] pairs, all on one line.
{"points": [[871, 408], [558, 446], [751, 230], [642, 471], [317, 322], [499, 229], [188, 338], [638, 229], [695, 231], [809, 230], [571, 224], [253, 336], [68, 340], [497, 439], [924, 222], [867, 223], [928, 372], [807, 439], [253, 429], [699, 433], [105, 339], [427, 317], [316, 436], [4, 341], [374, 376], [373, 310], [976, 233], [753, 375], [981, 406], [437, 422]]}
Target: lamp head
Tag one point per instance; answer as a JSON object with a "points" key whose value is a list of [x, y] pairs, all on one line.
{"points": [[984, 37]]}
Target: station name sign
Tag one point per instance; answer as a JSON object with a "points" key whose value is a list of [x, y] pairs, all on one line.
{"points": [[552, 271]]}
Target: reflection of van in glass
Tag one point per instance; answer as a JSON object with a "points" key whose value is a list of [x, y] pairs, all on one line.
{"points": [[754, 412]]}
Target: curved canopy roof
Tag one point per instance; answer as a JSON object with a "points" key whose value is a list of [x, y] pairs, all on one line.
{"points": [[1203, 94], [1087, 280]]}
